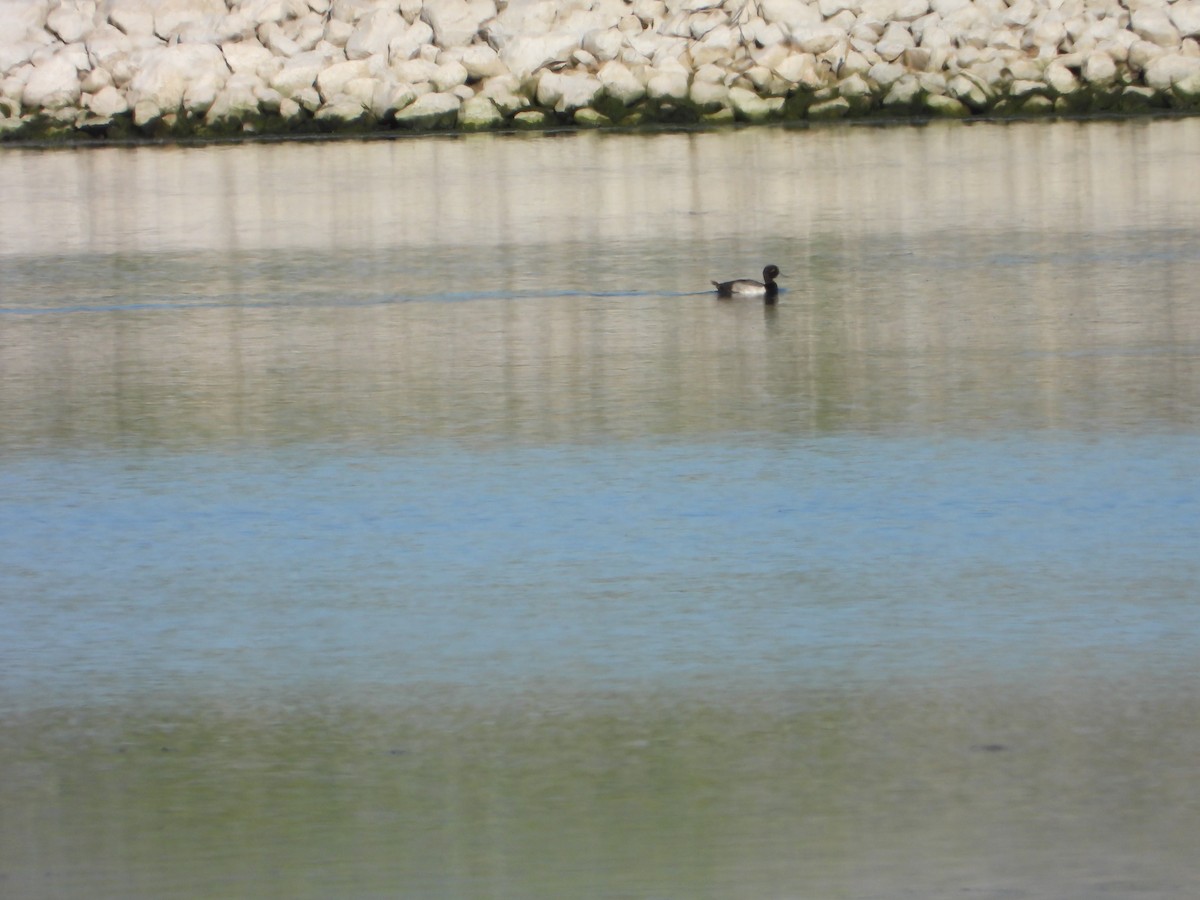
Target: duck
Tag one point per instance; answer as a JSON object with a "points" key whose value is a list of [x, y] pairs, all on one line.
{"points": [[746, 287]]}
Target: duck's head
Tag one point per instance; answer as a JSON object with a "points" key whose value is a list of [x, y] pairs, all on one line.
{"points": [[770, 273]]}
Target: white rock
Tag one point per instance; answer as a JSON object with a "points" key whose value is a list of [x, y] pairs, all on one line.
{"points": [[1118, 47], [885, 74], [709, 96], [567, 93], [990, 74], [107, 102], [700, 24], [351, 10], [1020, 89], [479, 114], [94, 80], [649, 10], [760, 77], [530, 18], [722, 38], [299, 73], [700, 54], [409, 44], [769, 57], [415, 71], [894, 42], [17, 54], [829, 110], [669, 50], [259, 12], [830, 8], [360, 90], [337, 32], [667, 85], [1024, 68], [910, 10], [644, 44], [332, 80], [374, 32], [504, 91], [75, 54], [748, 105], [800, 68], [629, 24], [1188, 88], [308, 31], [945, 7], [133, 17], [1060, 79], [946, 107], [456, 22], [676, 25], [1153, 24], [71, 20], [202, 91], [529, 118], [1020, 13], [106, 42], [1169, 69], [903, 92], [853, 60], [1099, 68], [145, 112], [19, 20], [770, 34], [878, 10], [578, 21], [430, 111], [411, 9], [818, 39], [791, 14], [604, 43], [288, 108], [620, 83], [308, 98], [481, 61], [235, 25], [165, 73], [1142, 53], [967, 90], [448, 76], [273, 36], [248, 57], [853, 87], [1185, 16], [390, 96], [932, 82], [343, 110], [192, 20], [269, 99], [525, 55], [54, 84], [235, 100], [582, 59]]}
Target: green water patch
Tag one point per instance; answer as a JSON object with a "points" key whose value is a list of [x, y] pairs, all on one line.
{"points": [[635, 794]]}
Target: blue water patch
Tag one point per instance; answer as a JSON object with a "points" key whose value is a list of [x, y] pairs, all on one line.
{"points": [[838, 559]]}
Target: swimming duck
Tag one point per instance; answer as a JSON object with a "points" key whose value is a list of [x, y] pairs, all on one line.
{"points": [[745, 287]]}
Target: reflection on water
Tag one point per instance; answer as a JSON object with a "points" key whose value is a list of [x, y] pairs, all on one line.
{"points": [[402, 519]]}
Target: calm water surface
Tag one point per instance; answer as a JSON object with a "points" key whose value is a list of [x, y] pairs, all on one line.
{"points": [[403, 520]]}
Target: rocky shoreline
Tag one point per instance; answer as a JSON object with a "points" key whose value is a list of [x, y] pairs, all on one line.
{"points": [[211, 68]]}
